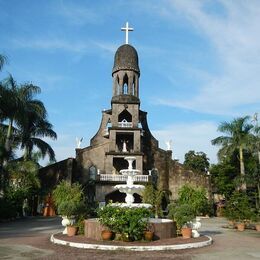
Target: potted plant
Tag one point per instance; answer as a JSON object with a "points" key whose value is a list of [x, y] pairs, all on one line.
{"points": [[239, 208], [127, 223], [184, 214], [69, 201], [107, 220], [256, 220], [148, 233]]}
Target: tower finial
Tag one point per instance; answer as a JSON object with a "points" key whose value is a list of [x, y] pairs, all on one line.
{"points": [[126, 29]]}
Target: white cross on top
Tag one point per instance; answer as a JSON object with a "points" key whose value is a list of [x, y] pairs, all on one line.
{"points": [[126, 29]]}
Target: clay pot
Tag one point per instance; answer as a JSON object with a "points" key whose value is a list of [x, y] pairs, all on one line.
{"points": [[148, 235], [257, 227], [106, 234], [72, 231], [241, 226], [186, 233]]}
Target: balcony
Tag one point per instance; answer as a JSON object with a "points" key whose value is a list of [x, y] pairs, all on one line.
{"points": [[125, 124], [122, 178]]}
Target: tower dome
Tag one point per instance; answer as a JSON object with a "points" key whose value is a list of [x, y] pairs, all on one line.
{"points": [[126, 58]]}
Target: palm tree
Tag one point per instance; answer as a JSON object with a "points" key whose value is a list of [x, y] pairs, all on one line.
{"points": [[16, 102], [19, 107], [3, 60], [238, 138], [30, 132]]}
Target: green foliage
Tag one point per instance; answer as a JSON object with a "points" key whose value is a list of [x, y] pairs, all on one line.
{"points": [[154, 197], [23, 183], [130, 222], [183, 215], [238, 207], [196, 161], [8, 208], [222, 177], [195, 197], [69, 199]]}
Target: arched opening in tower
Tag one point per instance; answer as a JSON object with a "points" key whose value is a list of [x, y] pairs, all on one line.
{"points": [[125, 85], [125, 115]]}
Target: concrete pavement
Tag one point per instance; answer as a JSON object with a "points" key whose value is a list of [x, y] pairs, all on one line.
{"points": [[29, 239]]}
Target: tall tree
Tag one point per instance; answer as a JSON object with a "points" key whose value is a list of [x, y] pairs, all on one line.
{"points": [[3, 60], [18, 106], [238, 138], [16, 100], [196, 161]]}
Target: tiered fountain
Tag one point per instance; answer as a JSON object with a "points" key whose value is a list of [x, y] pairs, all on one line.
{"points": [[130, 188], [163, 228]]}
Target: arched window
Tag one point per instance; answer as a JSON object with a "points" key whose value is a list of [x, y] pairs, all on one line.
{"points": [[92, 172]]}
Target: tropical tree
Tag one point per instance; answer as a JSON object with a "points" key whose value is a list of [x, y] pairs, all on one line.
{"points": [[238, 138], [30, 133], [19, 107], [196, 161], [3, 60]]}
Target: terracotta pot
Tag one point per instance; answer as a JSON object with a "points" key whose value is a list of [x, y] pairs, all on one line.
{"points": [[186, 233], [257, 227], [72, 231], [241, 226], [106, 234], [148, 235]]}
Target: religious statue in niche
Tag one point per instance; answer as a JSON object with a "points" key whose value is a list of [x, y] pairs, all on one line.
{"points": [[124, 150]]}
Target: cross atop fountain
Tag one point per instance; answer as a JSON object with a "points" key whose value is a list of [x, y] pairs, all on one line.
{"points": [[126, 29]]}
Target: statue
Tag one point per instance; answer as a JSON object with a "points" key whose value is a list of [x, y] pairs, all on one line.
{"points": [[124, 147], [169, 145], [79, 141]]}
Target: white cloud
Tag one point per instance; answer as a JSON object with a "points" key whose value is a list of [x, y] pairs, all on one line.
{"points": [[52, 44], [234, 36], [189, 136], [77, 14]]}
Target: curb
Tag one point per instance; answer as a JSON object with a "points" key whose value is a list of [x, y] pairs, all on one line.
{"points": [[131, 248]]}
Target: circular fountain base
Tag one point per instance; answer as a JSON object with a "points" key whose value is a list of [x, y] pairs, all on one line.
{"points": [[163, 228]]}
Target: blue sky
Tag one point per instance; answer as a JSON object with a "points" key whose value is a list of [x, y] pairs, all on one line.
{"points": [[199, 61]]}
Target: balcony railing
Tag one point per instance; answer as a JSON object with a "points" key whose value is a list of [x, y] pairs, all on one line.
{"points": [[125, 124], [122, 178]]}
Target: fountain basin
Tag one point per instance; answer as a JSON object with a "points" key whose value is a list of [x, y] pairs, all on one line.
{"points": [[163, 228], [128, 172]]}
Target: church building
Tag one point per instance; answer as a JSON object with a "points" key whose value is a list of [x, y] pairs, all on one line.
{"points": [[123, 132]]}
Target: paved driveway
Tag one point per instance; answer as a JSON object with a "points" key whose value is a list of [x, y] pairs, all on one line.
{"points": [[29, 239]]}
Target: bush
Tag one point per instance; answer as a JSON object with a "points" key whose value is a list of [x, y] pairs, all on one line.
{"points": [[183, 214], [196, 197], [7, 209], [69, 199], [238, 207], [129, 222]]}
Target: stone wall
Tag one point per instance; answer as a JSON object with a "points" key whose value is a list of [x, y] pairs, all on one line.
{"points": [[51, 175]]}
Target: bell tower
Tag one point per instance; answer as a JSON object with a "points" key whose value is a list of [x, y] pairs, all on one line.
{"points": [[125, 131]]}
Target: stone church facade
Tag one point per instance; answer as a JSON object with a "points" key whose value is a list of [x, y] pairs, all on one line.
{"points": [[123, 132]]}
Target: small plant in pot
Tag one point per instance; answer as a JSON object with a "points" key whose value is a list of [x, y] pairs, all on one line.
{"points": [[238, 207], [107, 220], [184, 214], [148, 233]]}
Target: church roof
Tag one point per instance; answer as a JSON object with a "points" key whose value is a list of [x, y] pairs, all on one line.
{"points": [[126, 58]]}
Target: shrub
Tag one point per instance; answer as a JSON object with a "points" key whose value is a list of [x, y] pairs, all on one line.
{"points": [[183, 214], [69, 199], [7, 209], [130, 222], [238, 207], [196, 198]]}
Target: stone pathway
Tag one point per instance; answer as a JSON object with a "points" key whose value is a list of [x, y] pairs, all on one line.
{"points": [[29, 239]]}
